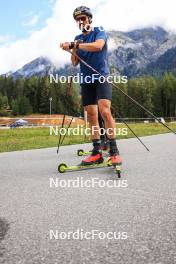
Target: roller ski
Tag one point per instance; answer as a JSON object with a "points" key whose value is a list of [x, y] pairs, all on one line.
{"points": [[104, 148], [94, 161]]}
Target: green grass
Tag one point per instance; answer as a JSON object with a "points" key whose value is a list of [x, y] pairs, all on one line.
{"points": [[33, 138]]}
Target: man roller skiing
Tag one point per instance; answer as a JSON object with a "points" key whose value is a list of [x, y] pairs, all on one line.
{"points": [[91, 46]]}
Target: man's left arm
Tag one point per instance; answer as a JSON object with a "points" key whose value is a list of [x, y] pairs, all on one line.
{"points": [[93, 46]]}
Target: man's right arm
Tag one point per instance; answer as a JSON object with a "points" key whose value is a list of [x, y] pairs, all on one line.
{"points": [[74, 58]]}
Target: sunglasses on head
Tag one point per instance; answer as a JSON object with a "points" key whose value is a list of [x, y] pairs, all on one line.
{"points": [[83, 18]]}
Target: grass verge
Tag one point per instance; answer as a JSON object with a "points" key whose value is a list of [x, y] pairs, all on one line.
{"points": [[33, 138]]}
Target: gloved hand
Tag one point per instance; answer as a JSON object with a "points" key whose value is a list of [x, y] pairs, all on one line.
{"points": [[71, 45]]}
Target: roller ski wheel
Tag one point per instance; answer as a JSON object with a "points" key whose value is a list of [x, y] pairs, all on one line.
{"points": [[116, 163], [118, 170], [62, 168], [109, 162], [81, 152]]}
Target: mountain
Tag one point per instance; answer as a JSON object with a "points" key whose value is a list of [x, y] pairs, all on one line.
{"points": [[166, 62], [38, 67], [41, 67], [137, 49], [134, 53]]}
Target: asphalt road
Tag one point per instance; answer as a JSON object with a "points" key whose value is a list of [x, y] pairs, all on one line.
{"points": [[144, 210]]}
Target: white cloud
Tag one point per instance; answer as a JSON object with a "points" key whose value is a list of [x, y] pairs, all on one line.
{"points": [[5, 38], [32, 21], [51, 2], [127, 15], [112, 14]]}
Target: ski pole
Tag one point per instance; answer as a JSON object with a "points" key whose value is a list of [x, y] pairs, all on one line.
{"points": [[67, 130], [129, 97], [63, 121], [133, 132]]}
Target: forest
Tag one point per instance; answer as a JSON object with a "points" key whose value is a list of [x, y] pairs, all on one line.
{"points": [[27, 96]]}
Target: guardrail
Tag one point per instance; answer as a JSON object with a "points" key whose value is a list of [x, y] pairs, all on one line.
{"points": [[145, 120], [46, 121], [37, 121]]}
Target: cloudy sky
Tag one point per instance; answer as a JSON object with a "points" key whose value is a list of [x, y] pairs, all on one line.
{"points": [[29, 29]]}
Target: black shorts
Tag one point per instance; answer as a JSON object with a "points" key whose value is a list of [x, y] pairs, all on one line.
{"points": [[92, 92]]}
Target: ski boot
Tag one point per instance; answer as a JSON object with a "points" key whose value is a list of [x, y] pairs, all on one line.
{"points": [[95, 158]]}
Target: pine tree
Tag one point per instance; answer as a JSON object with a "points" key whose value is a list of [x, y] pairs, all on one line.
{"points": [[25, 107], [15, 107], [44, 104]]}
